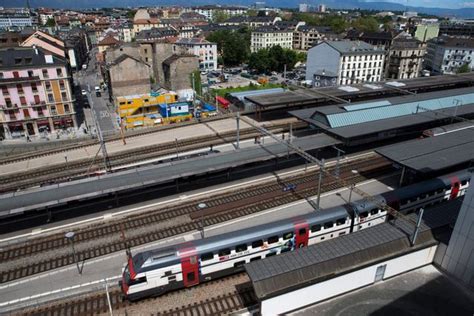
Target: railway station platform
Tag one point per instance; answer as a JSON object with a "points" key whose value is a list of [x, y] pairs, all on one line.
{"points": [[116, 183], [207, 128], [289, 282], [401, 117], [433, 155]]}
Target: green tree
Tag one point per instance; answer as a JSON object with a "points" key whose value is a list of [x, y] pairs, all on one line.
{"points": [[197, 81], [219, 16], [463, 69], [50, 22], [234, 47], [366, 24], [131, 14]]}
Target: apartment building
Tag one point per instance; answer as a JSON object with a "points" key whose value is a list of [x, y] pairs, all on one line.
{"points": [[268, 36], [35, 93], [210, 10], [15, 20], [405, 58], [306, 36], [350, 61], [446, 54], [205, 50]]}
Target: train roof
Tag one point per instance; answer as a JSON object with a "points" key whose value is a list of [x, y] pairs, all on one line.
{"points": [[157, 258]]}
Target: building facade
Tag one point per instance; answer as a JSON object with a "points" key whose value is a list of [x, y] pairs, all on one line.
{"points": [[205, 50], [305, 36], [351, 61], [446, 54], [405, 58], [268, 36], [127, 75], [36, 97], [426, 31], [457, 28], [15, 20]]}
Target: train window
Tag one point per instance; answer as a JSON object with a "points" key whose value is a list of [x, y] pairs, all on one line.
{"points": [[328, 225], [191, 276], [302, 231], [137, 281], [342, 233], [239, 263], [315, 228], [340, 221], [255, 258], [224, 252], [257, 243], [270, 254], [172, 278], [374, 211], [364, 214], [287, 235], [272, 239], [240, 248], [207, 256], [167, 273], [322, 238]]}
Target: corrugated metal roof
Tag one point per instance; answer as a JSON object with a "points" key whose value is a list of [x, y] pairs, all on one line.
{"points": [[379, 113], [243, 94], [369, 105]]}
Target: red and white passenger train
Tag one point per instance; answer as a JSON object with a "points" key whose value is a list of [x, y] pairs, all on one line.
{"points": [[158, 271]]}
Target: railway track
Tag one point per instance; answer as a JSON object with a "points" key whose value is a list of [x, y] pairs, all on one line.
{"points": [[220, 209], [97, 303], [82, 168]]}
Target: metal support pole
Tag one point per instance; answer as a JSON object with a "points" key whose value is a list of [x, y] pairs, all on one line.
{"points": [[321, 170], [99, 133], [338, 162], [238, 130], [350, 193], [290, 135], [177, 152], [402, 176], [417, 228], [108, 297]]}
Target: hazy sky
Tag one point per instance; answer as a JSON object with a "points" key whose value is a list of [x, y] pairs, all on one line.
{"points": [[453, 4]]}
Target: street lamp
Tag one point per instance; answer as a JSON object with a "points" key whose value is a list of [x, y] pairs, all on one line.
{"points": [[202, 206], [70, 236]]}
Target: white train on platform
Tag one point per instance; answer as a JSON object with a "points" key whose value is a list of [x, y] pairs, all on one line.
{"points": [[155, 272]]}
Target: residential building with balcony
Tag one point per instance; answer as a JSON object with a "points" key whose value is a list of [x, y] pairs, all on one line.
{"points": [[405, 58], [205, 50], [446, 54], [348, 61], [268, 36], [9, 20], [35, 93], [306, 36], [457, 28]]}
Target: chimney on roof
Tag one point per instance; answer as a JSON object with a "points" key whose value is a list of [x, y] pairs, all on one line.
{"points": [[36, 49]]}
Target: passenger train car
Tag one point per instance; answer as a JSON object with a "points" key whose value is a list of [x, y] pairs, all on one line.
{"points": [[158, 271]]}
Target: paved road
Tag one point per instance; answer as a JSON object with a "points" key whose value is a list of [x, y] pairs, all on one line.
{"points": [[105, 116]]}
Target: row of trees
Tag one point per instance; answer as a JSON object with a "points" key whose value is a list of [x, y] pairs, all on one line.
{"points": [[274, 59], [233, 47]]}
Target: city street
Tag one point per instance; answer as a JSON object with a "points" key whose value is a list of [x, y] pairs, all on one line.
{"points": [[105, 116]]}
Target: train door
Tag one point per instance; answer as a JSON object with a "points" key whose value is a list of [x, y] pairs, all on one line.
{"points": [[190, 268], [454, 188], [301, 234]]}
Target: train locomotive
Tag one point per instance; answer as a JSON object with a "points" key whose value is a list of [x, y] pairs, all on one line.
{"points": [[154, 272]]}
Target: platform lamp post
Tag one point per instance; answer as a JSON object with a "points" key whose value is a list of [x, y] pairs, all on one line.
{"points": [[70, 236], [202, 206], [354, 172]]}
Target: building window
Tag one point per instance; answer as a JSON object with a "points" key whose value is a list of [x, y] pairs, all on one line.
{"points": [[4, 90], [50, 97], [19, 87], [48, 85], [59, 72], [53, 110], [16, 74], [45, 73], [64, 96], [61, 84], [66, 108], [30, 73], [23, 100], [17, 61], [37, 99], [34, 88]]}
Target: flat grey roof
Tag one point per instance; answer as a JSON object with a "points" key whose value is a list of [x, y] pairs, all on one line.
{"points": [[53, 195], [315, 96], [381, 125], [279, 274], [433, 153]]}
